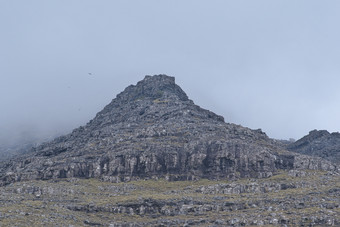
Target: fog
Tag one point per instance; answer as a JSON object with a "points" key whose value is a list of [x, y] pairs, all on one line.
{"points": [[263, 64]]}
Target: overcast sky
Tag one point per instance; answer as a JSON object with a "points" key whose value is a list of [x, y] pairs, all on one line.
{"points": [[264, 64]]}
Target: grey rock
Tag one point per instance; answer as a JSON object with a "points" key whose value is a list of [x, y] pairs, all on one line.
{"points": [[319, 143]]}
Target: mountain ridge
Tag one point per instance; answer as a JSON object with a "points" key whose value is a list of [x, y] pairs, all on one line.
{"points": [[319, 143]]}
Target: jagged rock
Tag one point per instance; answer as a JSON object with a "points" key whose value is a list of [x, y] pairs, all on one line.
{"points": [[319, 143], [153, 130]]}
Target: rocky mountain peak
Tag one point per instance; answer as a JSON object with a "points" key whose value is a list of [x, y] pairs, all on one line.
{"points": [[153, 87], [317, 133], [150, 130], [153, 99]]}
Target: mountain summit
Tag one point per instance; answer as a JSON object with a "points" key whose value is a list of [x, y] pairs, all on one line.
{"points": [[159, 86], [150, 130]]}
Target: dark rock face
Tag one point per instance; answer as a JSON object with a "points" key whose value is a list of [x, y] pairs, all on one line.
{"points": [[152, 130], [319, 143]]}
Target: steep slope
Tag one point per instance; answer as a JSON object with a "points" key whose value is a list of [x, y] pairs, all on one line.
{"points": [[152, 130], [319, 143]]}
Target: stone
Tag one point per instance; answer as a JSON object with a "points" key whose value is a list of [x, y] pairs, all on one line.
{"points": [[319, 143]]}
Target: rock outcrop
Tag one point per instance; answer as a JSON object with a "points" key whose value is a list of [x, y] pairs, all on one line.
{"points": [[319, 143], [153, 130]]}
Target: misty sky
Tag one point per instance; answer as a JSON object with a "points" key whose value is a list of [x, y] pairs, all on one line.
{"points": [[264, 64]]}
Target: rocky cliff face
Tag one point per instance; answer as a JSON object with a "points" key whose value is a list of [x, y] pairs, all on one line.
{"points": [[153, 130], [319, 143]]}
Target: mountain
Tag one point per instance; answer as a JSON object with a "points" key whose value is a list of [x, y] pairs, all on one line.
{"points": [[151, 130], [151, 136], [319, 143]]}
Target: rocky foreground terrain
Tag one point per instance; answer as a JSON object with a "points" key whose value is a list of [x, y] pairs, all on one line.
{"points": [[153, 158], [290, 198]]}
